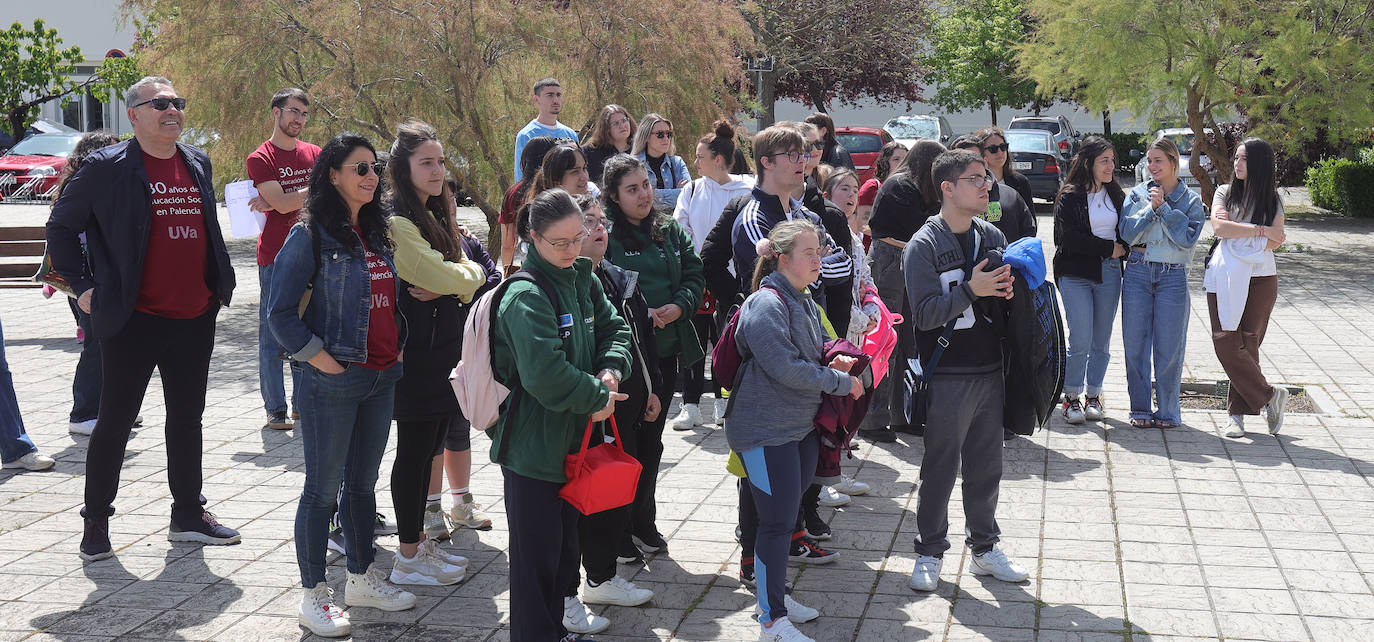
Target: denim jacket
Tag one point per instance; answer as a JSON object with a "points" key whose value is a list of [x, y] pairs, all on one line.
{"points": [[1170, 232], [336, 318]]}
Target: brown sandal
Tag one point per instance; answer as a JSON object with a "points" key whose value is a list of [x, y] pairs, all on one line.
{"points": [[1142, 423]]}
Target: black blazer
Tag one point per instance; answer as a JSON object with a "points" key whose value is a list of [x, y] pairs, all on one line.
{"points": [[1079, 252], [110, 201]]}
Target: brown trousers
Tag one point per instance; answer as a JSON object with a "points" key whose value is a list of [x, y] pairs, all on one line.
{"points": [[1239, 350]]}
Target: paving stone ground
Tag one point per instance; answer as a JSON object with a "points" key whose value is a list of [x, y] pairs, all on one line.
{"points": [[1129, 534]]}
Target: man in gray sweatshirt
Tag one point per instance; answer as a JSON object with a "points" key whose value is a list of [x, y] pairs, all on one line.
{"points": [[964, 422]]}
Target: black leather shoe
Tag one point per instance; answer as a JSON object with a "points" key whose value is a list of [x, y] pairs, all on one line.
{"points": [[909, 429], [95, 541], [879, 435]]}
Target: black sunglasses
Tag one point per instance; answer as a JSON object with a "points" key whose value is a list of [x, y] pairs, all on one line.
{"points": [[161, 104], [993, 149], [362, 167], [818, 145], [667, 134]]}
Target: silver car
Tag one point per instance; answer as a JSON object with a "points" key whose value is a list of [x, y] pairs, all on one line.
{"points": [[1183, 138], [908, 129]]}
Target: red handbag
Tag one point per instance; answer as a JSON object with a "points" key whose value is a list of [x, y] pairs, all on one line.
{"points": [[601, 477]]}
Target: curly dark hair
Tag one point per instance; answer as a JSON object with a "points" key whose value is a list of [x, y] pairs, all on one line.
{"points": [[617, 168], [325, 207], [88, 143]]}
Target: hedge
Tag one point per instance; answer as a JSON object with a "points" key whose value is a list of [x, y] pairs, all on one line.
{"points": [[1342, 185]]}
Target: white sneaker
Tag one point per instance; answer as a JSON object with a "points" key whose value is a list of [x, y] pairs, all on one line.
{"points": [[436, 522], [371, 589], [1092, 408], [781, 630], [321, 615], [577, 618], [1236, 428], [831, 498], [721, 404], [850, 486], [81, 427], [689, 418], [796, 611], [617, 591], [32, 461], [926, 576], [1073, 411], [996, 564], [466, 512], [432, 549], [1274, 410], [423, 570]]}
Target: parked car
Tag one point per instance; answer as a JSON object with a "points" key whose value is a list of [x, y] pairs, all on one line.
{"points": [[1035, 154], [1066, 138], [32, 168], [863, 144], [907, 129], [1183, 138]]}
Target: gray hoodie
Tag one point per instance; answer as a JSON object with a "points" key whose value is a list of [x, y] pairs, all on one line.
{"points": [[780, 335], [933, 265]]}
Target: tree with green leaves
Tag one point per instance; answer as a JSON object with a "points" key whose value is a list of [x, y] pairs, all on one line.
{"points": [[974, 64], [36, 69], [1290, 68]]}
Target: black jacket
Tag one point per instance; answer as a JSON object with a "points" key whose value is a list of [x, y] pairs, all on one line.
{"points": [[1019, 182], [109, 200], [1016, 220], [622, 290], [717, 251], [837, 156], [1077, 251]]}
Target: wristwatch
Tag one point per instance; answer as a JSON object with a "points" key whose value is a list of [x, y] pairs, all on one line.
{"points": [[615, 374]]}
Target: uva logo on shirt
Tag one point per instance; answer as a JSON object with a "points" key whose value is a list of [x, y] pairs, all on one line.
{"points": [[378, 270], [380, 301], [182, 232]]}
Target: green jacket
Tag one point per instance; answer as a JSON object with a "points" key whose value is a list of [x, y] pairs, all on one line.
{"points": [[558, 374], [670, 273]]}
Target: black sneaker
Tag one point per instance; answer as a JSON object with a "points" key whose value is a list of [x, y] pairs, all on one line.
{"points": [[879, 435], [278, 421], [746, 572], [202, 528], [816, 528], [652, 543], [628, 554], [908, 429], [95, 541], [805, 550], [1008, 435]]}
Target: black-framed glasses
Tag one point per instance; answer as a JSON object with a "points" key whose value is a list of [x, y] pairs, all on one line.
{"points": [[993, 149], [303, 115], [161, 104], [978, 181], [362, 167], [663, 134], [795, 157]]}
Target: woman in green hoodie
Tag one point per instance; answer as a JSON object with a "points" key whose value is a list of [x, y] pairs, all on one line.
{"points": [[569, 358], [650, 242]]}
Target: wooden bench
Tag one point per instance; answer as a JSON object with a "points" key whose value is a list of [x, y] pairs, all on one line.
{"points": [[21, 254]]}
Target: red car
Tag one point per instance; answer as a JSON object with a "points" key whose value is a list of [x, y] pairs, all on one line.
{"points": [[863, 144], [32, 168]]}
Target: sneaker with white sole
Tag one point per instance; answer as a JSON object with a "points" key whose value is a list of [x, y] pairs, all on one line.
{"points": [[335, 542], [32, 461], [781, 630], [1235, 426], [796, 611], [1073, 410], [81, 427], [997, 564], [577, 618], [850, 486], [423, 570], [1275, 409], [383, 526], [805, 550], [202, 528], [431, 548], [1092, 408], [926, 575], [468, 513], [371, 589], [436, 522], [321, 615], [616, 591], [831, 498], [688, 418]]}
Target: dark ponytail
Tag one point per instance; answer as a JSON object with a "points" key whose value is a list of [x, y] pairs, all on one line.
{"points": [[543, 211]]}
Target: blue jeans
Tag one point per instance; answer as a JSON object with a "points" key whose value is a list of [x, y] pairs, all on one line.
{"points": [[14, 442], [1090, 311], [344, 426], [86, 381], [270, 380], [1154, 328]]}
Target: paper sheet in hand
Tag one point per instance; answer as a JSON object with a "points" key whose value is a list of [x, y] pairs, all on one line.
{"points": [[243, 220]]}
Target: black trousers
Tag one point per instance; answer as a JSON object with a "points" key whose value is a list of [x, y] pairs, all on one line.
{"points": [[649, 452], [180, 350], [543, 556], [695, 379], [416, 443]]}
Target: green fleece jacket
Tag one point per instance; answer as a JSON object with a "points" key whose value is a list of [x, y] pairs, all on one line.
{"points": [[558, 373], [668, 273]]}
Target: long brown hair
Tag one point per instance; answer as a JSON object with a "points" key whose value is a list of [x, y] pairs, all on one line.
{"points": [[431, 215], [881, 169], [918, 164], [601, 131]]}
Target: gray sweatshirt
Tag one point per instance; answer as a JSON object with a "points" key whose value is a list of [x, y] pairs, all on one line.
{"points": [[933, 265], [780, 336]]}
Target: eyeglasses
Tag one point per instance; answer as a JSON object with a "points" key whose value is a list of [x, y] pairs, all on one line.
{"points": [[303, 115], [161, 104], [796, 157], [663, 134], [620, 121], [818, 145], [592, 223], [363, 166], [563, 244], [993, 149], [978, 181]]}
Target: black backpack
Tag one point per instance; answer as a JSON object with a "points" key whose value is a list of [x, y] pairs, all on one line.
{"points": [[1035, 357]]}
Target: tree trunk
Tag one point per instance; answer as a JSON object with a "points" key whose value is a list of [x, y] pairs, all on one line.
{"points": [[1107, 123], [816, 93], [1193, 108], [15, 119], [768, 92], [992, 106]]}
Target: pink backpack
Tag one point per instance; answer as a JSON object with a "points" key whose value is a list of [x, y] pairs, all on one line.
{"points": [[880, 343]]}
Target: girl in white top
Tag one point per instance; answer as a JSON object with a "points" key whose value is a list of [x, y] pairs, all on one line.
{"points": [[842, 189], [1243, 213]]}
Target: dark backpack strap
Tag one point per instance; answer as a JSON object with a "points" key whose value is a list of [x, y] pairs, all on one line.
{"points": [[744, 358], [970, 258], [516, 389]]}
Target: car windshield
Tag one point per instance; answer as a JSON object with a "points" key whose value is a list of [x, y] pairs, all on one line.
{"points": [[45, 146], [913, 128], [1043, 125], [1184, 143], [1028, 141], [860, 143]]}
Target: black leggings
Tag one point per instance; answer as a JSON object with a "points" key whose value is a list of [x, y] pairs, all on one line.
{"points": [[695, 380], [650, 454], [416, 443]]}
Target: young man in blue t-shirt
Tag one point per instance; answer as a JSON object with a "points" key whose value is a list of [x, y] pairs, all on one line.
{"points": [[548, 99]]}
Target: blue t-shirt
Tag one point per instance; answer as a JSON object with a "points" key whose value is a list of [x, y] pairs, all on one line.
{"points": [[534, 130]]}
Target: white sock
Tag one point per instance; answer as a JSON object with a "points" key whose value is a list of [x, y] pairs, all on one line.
{"points": [[434, 497], [458, 492]]}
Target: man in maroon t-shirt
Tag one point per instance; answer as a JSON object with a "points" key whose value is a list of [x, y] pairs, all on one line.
{"points": [[280, 169]]}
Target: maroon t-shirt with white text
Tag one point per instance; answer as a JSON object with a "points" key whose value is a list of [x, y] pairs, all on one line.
{"points": [[175, 264], [291, 169], [383, 335]]}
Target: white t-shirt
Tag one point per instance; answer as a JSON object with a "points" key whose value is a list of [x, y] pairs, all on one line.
{"points": [[1102, 215]]}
